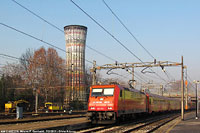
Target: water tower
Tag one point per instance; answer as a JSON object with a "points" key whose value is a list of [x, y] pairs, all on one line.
{"points": [[75, 36]]}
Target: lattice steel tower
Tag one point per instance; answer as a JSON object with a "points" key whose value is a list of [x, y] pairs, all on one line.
{"points": [[75, 36]]}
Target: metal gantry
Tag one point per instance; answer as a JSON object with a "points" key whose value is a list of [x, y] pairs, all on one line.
{"points": [[144, 65]]}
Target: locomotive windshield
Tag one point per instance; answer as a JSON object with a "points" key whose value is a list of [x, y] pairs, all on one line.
{"points": [[97, 92], [108, 91], [102, 92]]}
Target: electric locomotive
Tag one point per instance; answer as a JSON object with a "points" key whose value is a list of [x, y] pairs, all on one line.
{"points": [[108, 103]]}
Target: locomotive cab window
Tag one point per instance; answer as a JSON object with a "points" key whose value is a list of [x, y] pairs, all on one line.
{"points": [[108, 91], [102, 92], [97, 92]]}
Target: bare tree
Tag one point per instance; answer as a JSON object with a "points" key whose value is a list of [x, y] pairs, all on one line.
{"points": [[25, 63], [47, 70]]}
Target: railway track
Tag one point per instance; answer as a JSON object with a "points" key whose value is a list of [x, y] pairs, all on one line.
{"points": [[94, 129], [150, 126], [39, 114], [144, 125], [38, 119], [82, 125], [47, 126]]}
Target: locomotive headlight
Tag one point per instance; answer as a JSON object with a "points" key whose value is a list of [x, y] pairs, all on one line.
{"points": [[109, 107], [92, 107]]}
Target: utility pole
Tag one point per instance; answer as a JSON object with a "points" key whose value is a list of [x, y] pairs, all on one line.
{"points": [[197, 99], [182, 89], [94, 73], [186, 91], [36, 100], [133, 79]]}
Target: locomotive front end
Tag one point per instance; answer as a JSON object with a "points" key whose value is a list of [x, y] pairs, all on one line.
{"points": [[101, 106]]}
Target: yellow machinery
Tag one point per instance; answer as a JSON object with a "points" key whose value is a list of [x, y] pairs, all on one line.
{"points": [[10, 107], [48, 104], [51, 107]]}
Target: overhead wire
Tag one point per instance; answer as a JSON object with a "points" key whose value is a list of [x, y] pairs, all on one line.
{"points": [[20, 59], [170, 75], [33, 37], [142, 78], [106, 31], [138, 76], [37, 15], [100, 53], [125, 76], [127, 29], [118, 41], [190, 80], [151, 76], [56, 27], [96, 22], [7, 58]]}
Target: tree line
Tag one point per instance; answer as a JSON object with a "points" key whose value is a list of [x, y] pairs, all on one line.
{"points": [[42, 71]]}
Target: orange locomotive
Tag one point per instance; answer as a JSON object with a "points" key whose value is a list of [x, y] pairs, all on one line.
{"points": [[109, 103]]}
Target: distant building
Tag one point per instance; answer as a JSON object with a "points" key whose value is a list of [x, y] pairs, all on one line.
{"points": [[75, 36]]}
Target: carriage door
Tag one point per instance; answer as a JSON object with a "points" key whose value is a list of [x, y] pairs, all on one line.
{"points": [[147, 103], [122, 101]]}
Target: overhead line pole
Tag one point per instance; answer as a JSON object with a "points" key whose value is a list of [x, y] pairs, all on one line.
{"points": [[133, 76], [182, 89], [146, 64], [197, 99], [186, 90], [93, 70]]}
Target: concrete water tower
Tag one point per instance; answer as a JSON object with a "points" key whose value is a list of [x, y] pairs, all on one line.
{"points": [[75, 36]]}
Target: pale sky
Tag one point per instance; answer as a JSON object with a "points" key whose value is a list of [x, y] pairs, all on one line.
{"points": [[167, 29]]}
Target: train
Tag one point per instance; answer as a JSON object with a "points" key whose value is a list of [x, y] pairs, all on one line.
{"points": [[112, 103]]}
